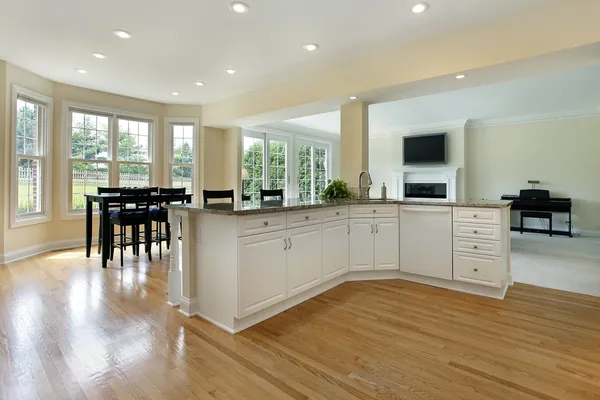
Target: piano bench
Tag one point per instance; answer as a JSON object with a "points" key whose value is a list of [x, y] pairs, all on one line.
{"points": [[537, 214]]}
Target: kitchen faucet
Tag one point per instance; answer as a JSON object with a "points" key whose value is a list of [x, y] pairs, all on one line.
{"points": [[360, 186]]}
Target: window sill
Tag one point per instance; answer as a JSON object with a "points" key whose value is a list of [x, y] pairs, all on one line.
{"points": [[74, 215], [28, 221]]}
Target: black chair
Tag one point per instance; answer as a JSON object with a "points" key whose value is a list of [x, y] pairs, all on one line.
{"points": [[133, 217], [102, 190], [264, 193], [246, 197], [218, 194], [536, 194], [161, 216]]}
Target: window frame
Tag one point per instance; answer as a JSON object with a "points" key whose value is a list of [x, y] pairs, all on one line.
{"points": [[67, 212], [45, 159], [293, 140], [312, 143], [168, 145]]}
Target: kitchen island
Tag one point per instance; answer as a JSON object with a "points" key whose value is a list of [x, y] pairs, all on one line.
{"points": [[245, 262]]}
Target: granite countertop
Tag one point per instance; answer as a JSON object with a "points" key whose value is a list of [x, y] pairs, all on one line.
{"points": [[249, 207]]}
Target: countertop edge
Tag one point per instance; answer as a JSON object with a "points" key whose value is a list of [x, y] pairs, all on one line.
{"points": [[284, 208]]}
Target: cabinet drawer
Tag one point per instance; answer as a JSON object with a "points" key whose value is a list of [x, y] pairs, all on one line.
{"points": [[477, 215], [300, 218], [477, 231], [374, 211], [481, 270], [262, 223], [331, 214], [477, 246]]}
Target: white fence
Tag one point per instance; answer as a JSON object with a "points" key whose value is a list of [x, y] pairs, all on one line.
{"points": [[100, 178]]}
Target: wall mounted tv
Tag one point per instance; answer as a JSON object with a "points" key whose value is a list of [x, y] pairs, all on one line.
{"points": [[425, 149]]}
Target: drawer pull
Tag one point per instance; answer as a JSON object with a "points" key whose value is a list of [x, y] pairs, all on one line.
{"points": [[307, 218], [475, 269], [474, 215], [266, 223], [474, 247], [374, 211], [474, 231], [337, 213]]}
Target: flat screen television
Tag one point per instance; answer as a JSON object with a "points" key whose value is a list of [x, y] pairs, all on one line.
{"points": [[425, 149]]}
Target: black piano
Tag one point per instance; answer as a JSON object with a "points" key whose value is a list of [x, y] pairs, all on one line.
{"points": [[540, 200]]}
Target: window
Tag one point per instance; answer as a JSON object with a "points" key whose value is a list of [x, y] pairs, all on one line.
{"points": [[31, 173], [265, 159], [106, 149], [313, 171], [181, 156]]}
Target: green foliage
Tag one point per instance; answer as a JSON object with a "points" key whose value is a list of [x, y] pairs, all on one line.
{"points": [[336, 189]]}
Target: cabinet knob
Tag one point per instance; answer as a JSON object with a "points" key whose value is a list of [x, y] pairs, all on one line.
{"points": [[306, 218], [337, 213], [374, 211], [474, 215], [266, 223], [475, 269], [474, 231], [474, 247]]}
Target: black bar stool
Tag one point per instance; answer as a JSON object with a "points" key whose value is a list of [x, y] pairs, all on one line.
{"points": [[102, 190], [217, 194], [264, 193], [161, 216]]}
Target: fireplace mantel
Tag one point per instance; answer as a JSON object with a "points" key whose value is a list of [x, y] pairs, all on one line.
{"points": [[445, 175]]}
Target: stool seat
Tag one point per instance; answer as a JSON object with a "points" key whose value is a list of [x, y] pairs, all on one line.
{"points": [[536, 214]]}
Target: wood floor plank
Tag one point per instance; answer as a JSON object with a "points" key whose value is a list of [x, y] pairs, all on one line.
{"points": [[71, 330]]}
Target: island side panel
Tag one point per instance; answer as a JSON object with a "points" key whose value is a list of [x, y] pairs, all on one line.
{"points": [[189, 302], [217, 269]]}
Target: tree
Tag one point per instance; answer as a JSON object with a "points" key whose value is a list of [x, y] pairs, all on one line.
{"points": [[253, 163]]}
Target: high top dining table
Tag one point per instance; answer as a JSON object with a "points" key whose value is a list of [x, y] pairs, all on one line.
{"points": [[114, 199]]}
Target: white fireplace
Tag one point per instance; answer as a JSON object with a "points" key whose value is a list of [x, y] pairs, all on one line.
{"points": [[432, 183]]}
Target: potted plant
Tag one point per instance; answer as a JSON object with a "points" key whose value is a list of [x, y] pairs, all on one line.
{"points": [[336, 189]]}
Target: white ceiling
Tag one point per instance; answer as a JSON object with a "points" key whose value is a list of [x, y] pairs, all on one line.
{"points": [[178, 42], [570, 90]]}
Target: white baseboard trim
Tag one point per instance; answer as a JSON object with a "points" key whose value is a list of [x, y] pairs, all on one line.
{"points": [[219, 324], [41, 248], [188, 307]]}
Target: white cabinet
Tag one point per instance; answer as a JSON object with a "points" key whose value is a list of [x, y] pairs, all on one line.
{"points": [[374, 244], [426, 241], [386, 243], [303, 259], [335, 249], [481, 270], [261, 272], [362, 245]]}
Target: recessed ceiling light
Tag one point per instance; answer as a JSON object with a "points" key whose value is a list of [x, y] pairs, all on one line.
{"points": [[99, 55], [175, 94], [419, 8], [122, 34], [199, 83], [353, 97], [239, 7], [311, 47], [81, 71], [230, 71], [461, 76]]}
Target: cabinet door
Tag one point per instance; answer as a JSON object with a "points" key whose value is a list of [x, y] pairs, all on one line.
{"points": [[336, 240], [387, 243], [426, 240], [261, 272], [361, 244], [303, 259]]}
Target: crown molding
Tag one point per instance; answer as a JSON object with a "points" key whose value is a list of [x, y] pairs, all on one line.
{"points": [[293, 129], [486, 122], [423, 128]]}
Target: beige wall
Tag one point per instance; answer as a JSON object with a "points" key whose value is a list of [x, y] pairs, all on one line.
{"points": [[232, 154], [354, 141], [385, 155], [562, 154], [213, 171], [5, 153]]}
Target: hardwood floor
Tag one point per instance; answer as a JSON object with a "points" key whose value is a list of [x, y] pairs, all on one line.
{"points": [[69, 329]]}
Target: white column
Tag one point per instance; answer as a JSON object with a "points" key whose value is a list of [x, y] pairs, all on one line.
{"points": [[189, 301], [174, 297]]}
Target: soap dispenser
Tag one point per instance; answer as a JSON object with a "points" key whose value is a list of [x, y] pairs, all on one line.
{"points": [[383, 192]]}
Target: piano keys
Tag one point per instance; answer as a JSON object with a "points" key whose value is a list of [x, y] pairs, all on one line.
{"points": [[540, 200]]}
